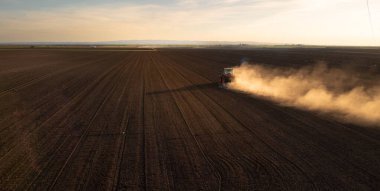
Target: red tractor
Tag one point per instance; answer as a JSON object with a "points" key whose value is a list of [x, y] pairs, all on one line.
{"points": [[227, 77]]}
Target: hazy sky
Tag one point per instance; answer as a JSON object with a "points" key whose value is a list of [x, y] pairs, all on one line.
{"points": [[330, 22]]}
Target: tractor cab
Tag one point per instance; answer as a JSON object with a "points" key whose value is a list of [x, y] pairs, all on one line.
{"points": [[227, 71], [226, 77]]}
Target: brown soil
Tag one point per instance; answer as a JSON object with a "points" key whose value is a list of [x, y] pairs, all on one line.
{"points": [[156, 120]]}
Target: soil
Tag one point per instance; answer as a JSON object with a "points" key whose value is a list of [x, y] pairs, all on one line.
{"points": [[157, 120]]}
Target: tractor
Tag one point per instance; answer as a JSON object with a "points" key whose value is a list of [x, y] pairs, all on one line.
{"points": [[226, 77]]}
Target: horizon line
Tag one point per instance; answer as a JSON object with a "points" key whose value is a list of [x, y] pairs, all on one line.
{"points": [[168, 43]]}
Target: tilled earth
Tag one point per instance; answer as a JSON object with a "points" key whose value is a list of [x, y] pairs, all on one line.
{"points": [[156, 120]]}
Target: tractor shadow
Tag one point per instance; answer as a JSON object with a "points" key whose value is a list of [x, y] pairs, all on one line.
{"points": [[213, 85]]}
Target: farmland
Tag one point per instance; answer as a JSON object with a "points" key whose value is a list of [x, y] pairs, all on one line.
{"points": [[156, 120]]}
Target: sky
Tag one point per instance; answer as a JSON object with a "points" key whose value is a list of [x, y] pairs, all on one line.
{"points": [[318, 22]]}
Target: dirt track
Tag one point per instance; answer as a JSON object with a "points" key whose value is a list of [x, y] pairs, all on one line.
{"points": [[150, 120]]}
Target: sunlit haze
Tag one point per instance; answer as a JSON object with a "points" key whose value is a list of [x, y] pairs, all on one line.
{"points": [[320, 22]]}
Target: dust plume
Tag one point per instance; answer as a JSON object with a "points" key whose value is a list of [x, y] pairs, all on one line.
{"points": [[344, 94]]}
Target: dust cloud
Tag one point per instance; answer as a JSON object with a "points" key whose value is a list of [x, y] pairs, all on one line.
{"points": [[342, 93]]}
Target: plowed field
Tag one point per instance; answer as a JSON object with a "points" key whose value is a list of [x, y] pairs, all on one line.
{"points": [[156, 120]]}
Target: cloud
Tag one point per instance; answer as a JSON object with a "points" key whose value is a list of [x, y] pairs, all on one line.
{"points": [[108, 22], [278, 21]]}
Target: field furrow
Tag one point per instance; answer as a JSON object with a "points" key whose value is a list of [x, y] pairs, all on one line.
{"points": [[157, 120]]}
